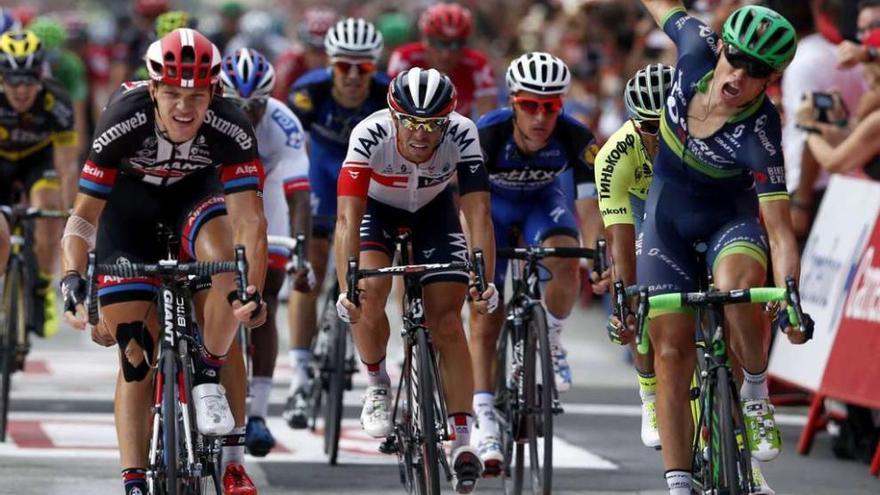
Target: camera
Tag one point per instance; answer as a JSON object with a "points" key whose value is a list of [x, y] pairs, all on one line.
{"points": [[822, 102]]}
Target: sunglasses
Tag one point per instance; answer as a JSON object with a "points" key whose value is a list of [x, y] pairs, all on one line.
{"points": [[21, 79], [753, 67], [650, 127], [428, 125], [534, 105], [445, 44], [249, 104], [362, 67]]}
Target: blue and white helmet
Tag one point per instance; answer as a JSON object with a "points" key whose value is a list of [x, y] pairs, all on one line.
{"points": [[247, 74], [354, 38]]}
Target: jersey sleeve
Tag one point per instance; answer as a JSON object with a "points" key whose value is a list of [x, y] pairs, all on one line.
{"points": [[615, 175], [236, 150], [291, 156], [696, 42], [357, 170], [471, 167], [109, 144], [582, 148], [765, 156]]}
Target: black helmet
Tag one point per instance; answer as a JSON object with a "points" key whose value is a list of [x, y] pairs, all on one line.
{"points": [[422, 93]]}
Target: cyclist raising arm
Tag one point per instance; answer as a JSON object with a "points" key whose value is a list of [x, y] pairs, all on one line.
{"points": [[720, 164], [154, 160], [396, 175]]}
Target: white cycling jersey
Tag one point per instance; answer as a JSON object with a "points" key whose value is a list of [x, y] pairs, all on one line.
{"points": [[374, 167], [281, 142]]}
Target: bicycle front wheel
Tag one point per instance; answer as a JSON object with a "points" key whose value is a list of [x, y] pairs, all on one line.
{"points": [[725, 436], [425, 397], [12, 315], [541, 429], [335, 389], [169, 425]]}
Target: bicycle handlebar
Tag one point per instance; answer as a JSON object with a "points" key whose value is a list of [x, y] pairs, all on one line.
{"points": [[166, 269], [31, 212], [538, 252], [755, 295], [355, 274]]}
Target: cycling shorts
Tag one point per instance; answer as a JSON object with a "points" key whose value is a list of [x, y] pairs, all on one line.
{"points": [[677, 222], [542, 215], [436, 234], [27, 175], [128, 228]]}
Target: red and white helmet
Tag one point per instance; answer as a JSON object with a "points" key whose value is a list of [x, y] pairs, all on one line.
{"points": [[184, 58], [315, 24], [446, 20]]}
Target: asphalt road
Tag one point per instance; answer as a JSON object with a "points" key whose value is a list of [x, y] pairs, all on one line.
{"points": [[62, 439]]}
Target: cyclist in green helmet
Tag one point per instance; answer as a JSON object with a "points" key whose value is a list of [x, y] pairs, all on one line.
{"points": [[165, 23], [67, 68], [719, 168]]}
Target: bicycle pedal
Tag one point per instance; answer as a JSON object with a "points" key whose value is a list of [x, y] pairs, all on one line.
{"points": [[389, 445]]}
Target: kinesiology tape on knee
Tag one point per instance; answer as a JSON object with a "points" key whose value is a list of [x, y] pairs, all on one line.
{"points": [[134, 331], [78, 226]]}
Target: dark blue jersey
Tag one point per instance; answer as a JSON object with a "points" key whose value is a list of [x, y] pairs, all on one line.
{"points": [[745, 152], [515, 175]]}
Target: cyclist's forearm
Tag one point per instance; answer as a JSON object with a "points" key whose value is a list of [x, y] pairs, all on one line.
{"points": [[251, 233], [74, 244], [67, 167], [480, 233], [659, 8], [346, 239], [590, 220], [622, 240], [298, 203], [784, 253]]}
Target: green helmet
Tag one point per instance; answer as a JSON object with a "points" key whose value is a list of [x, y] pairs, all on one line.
{"points": [[52, 33], [171, 20], [762, 34]]}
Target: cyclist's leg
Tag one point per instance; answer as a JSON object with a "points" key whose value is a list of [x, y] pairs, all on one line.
{"points": [[483, 341], [302, 306], [551, 223], [739, 260], [664, 264], [135, 328], [264, 345], [371, 332], [438, 238], [302, 321], [126, 233], [45, 193]]}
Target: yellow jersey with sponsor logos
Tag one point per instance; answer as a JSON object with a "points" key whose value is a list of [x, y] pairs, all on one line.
{"points": [[49, 121], [622, 167]]}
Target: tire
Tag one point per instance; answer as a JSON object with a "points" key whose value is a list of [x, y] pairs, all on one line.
{"points": [[12, 313], [729, 454], [424, 367], [335, 390], [541, 432], [169, 424]]}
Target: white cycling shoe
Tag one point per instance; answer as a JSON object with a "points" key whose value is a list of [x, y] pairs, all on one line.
{"points": [[213, 416], [650, 433], [376, 414]]}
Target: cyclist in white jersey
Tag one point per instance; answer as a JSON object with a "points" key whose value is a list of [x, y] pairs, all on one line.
{"points": [[396, 175], [247, 79]]}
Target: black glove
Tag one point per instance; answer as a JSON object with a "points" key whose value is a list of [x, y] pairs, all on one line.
{"points": [[73, 290], [782, 322]]}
